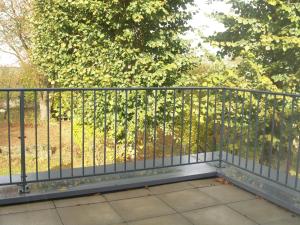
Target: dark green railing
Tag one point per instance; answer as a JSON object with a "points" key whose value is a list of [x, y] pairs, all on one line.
{"points": [[57, 133]]}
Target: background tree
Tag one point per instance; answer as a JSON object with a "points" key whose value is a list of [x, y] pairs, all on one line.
{"points": [[263, 38], [266, 36], [14, 28], [15, 39]]}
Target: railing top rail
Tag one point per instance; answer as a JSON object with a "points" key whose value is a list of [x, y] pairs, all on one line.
{"points": [[153, 88]]}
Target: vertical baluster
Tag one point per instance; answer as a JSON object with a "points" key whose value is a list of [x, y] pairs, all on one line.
{"points": [[206, 124], [214, 126], [72, 138], [241, 130], [228, 125], [290, 142], [164, 128], [136, 127], [105, 131], [154, 129], [173, 126], [145, 129], [116, 129], [190, 126], [272, 136], [198, 125], [126, 129], [48, 134], [182, 123], [8, 135], [282, 129], [222, 128], [83, 132], [249, 129], [94, 132], [60, 138], [258, 110], [36, 137], [264, 130], [235, 126], [22, 139]]}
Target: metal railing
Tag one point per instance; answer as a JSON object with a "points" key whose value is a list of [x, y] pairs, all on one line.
{"points": [[52, 134]]}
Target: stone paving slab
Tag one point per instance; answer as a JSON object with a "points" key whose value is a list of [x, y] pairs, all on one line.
{"points": [[26, 207], [227, 193], [187, 200], [160, 189], [79, 201], [41, 217], [127, 194], [92, 214], [141, 208], [273, 190], [217, 215], [173, 219], [289, 221], [261, 211]]}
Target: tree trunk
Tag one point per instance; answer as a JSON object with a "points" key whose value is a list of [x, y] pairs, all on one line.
{"points": [[43, 106]]}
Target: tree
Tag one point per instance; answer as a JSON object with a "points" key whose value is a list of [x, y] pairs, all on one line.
{"points": [[119, 43], [15, 39], [95, 43], [14, 32], [266, 36]]}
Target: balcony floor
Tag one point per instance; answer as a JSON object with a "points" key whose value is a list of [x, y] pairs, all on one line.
{"points": [[203, 202]]}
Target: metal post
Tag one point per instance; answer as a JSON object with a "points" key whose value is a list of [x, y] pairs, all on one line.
{"points": [[222, 129], [23, 185]]}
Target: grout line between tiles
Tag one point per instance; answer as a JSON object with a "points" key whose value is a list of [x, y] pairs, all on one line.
{"points": [[59, 216], [243, 215]]}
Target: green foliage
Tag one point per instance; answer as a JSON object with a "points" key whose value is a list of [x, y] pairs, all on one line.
{"points": [[214, 72], [95, 43], [10, 77], [266, 35], [118, 43], [249, 118]]}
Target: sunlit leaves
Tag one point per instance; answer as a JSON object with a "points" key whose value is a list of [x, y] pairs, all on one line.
{"points": [[108, 43], [118, 43], [269, 30]]}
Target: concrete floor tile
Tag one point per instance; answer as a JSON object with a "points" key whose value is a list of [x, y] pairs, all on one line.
{"points": [[290, 221], [204, 183], [127, 194], [26, 207], [188, 200], [174, 219], [93, 214], [79, 201], [141, 208], [261, 211], [42, 217], [227, 193], [160, 189], [217, 215]]}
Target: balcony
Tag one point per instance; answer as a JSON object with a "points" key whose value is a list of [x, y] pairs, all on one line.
{"points": [[61, 143]]}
